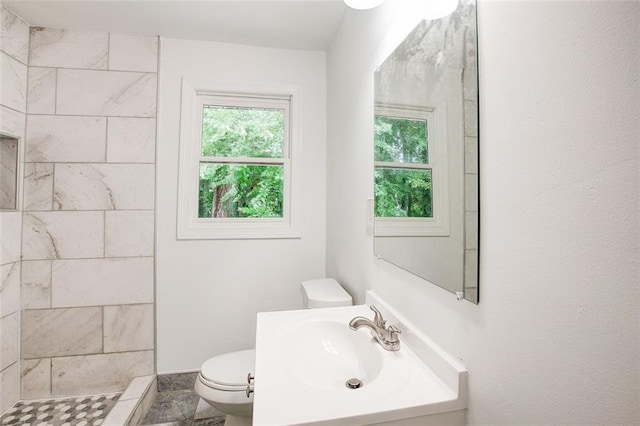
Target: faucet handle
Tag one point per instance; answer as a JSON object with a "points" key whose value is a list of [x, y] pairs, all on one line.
{"points": [[393, 332], [378, 320]]}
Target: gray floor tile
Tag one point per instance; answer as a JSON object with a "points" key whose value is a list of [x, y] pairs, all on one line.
{"points": [[214, 421], [176, 382], [172, 406]]}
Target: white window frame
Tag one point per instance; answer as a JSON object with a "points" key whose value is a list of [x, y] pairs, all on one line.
{"points": [[199, 92], [438, 225]]}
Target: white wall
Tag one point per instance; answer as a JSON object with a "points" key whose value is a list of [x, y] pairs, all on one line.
{"points": [[555, 336], [208, 291]]}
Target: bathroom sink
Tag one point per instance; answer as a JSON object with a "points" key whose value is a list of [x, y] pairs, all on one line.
{"points": [[325, 354], [304, 359]]}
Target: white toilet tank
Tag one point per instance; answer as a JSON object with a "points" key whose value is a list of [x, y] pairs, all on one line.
{"points": [[324, 293]]}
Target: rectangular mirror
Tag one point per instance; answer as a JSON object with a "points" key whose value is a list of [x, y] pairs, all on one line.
{"points": [[8, 173], [426, 153]]}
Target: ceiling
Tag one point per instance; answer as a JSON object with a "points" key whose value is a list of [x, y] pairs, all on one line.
{"points": [[289, 24]]}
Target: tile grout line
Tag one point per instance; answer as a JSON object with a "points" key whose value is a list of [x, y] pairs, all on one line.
{"points": [[20, 112], [106, 142], [141, 117], [108, 51], [120, 163], [89, 69], [104, 234], [55, 93]]}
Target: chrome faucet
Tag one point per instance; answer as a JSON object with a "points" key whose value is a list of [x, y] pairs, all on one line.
{"points": [[386, 336]]}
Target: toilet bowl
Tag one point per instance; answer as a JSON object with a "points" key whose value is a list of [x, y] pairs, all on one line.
{"points": [[222, 380]]}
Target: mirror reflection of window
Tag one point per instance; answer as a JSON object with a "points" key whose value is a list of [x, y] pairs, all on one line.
{"points": [[403, 175], [410, 188], [8, 173]]}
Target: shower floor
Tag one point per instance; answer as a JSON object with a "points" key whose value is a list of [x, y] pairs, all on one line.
{"points": [[78, 411]]}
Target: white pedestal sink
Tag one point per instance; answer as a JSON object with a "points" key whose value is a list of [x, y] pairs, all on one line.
{"points": [[304, 358]]}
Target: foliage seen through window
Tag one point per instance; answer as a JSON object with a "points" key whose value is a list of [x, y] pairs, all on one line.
{"points": [[241, 186], [402, 191]]}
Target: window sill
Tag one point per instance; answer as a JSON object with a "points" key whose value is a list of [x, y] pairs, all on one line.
{"points": [[408, 227], [246, 230]]}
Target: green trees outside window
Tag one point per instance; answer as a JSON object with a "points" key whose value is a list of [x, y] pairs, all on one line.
{"points": [[236, 181]]}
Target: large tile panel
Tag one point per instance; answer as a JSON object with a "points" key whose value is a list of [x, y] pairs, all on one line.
{"points": [[113, 93], [471, 118], [471, 230], [133, 53], [9, 288], [131, 140], [129, 233], [99, 373], [12, 122], [471, 155], [103, 186], [38, 186], [53, 47], [470, 192], [471, 268], [36, 378], [9, 386], [13, 80], [52, 138], [10, 236], [128, 328], [8, 340], [102, 282], [60, 332], [36, 284], [41, 95], [63, 235], [14, 35]]}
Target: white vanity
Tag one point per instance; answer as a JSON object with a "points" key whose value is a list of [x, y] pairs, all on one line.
{"points": [[304, 359]]}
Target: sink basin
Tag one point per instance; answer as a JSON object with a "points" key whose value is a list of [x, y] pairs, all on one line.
{"points": [[305, 357], [325, 354]]}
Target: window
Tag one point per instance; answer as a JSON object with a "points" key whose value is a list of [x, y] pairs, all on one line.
{"points": [[410, 173], [238, 177]]}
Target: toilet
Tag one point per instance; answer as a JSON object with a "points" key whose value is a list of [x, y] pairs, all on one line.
{"points": [[222, 380]]}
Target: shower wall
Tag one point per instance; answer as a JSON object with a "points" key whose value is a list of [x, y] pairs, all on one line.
{"points": [[88, 224], [14, 42]]}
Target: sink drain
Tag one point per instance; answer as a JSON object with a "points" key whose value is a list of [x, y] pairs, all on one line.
{"points": [[353, 383]]}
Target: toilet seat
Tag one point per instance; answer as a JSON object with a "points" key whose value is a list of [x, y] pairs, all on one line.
{"points": [[222, 382], [228, 372]]}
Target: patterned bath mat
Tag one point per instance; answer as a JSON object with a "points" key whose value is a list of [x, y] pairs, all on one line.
{"points": [[80, 411]]}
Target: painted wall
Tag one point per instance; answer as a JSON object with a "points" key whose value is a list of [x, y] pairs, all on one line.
{"points": [[87, 323], [555, 336], [209, 291], [14, 57]]}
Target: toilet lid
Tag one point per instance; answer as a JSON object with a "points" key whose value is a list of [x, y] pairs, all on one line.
{"points": [[229, 369]]}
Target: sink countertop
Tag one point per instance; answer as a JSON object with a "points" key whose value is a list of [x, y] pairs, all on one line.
{"points": [[405, 387]]}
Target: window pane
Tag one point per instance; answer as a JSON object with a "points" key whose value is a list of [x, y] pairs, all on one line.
{"points": [[242, 132], [240, 191], [403, 193], [401, 140]]}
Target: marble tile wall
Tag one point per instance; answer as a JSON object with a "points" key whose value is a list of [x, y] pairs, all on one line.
{"points": [[88, 221], [470, 95], [14, 53]]}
